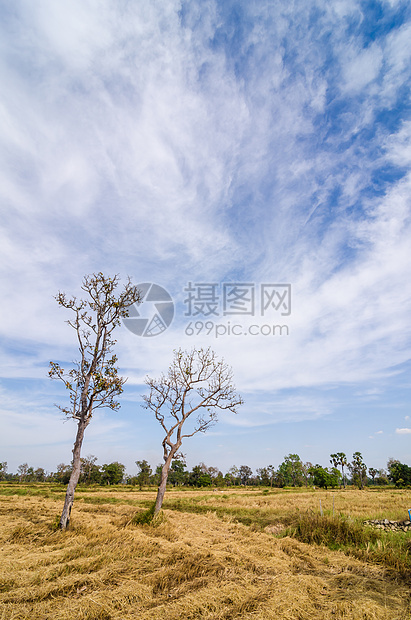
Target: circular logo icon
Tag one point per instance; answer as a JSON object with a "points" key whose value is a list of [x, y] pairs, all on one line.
{"points": [[154, 314]]}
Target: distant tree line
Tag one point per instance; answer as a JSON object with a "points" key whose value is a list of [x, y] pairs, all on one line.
{"points": [[292, 472]]}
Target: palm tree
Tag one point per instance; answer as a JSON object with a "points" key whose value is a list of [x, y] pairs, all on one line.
{"points": [[339, 460]]}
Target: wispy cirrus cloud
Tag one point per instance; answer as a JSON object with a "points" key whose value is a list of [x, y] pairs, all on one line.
{"points": [[211, 141]]}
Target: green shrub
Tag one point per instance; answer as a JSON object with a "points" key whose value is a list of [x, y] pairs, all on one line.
{"points": [[145, 517]]}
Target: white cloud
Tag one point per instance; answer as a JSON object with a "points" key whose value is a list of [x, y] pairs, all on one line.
{"points": [[403, 431], [362, 67], [144, 142], [398, 146], [397, 54]]}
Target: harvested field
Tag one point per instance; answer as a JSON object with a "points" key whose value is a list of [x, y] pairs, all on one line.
{"points": [[191, 565]]}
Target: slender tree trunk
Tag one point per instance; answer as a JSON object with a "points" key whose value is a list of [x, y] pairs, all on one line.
{"points": [[163, 485], [168, 457], [74, 478]]}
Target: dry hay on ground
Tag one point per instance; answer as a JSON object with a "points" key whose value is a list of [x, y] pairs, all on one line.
{"points": [[190, 566]]}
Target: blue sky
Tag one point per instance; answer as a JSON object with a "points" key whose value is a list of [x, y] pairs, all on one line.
{"points": [[258, 143]]}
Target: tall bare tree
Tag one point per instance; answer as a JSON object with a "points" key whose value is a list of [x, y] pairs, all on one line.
{"points": [[94, 380], [22, 471], [196, 383]]}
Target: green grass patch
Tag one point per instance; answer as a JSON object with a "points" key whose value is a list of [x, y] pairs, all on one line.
{"points": [[144, 517], [32, 490], [390, 549], [333, 532]]}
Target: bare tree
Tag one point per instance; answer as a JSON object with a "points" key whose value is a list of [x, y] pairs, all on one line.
{"points": [[196, 383], [22, 471], [94, 380]]}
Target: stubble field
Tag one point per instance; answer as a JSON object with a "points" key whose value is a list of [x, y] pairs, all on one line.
{"points": [[237, 553]]}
